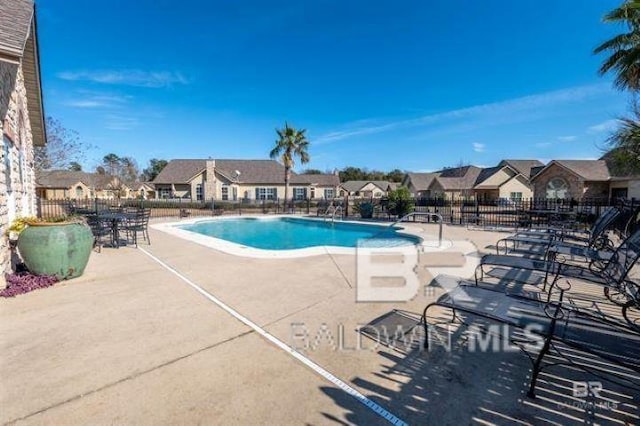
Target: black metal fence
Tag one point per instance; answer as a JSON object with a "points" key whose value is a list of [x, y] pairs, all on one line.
{"points": [[512, 214], [178, 207]]}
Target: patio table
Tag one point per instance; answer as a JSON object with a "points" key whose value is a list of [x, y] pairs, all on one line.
{"points": [[116, 219]]}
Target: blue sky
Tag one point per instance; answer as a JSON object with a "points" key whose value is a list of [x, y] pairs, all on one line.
{"points": [[415, 85]]}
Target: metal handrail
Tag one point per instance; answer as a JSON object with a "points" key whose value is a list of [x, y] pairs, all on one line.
{"points": [[438, 217], [333, 213]]}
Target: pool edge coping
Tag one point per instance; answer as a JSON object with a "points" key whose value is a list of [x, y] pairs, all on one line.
{"points": [[236, 249]]}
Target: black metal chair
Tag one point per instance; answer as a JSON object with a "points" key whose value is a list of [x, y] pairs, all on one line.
{"points": [[138, 223], [100, 229]]}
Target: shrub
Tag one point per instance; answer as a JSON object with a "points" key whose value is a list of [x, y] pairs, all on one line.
{"points": [[400, 202], [365, 209]]}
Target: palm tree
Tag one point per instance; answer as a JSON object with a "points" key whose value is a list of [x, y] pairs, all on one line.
{"points": [[624, 155], [624, 48], [291, 143]]}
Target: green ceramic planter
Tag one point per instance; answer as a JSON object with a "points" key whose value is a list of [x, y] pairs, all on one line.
{"points": [[60, 249]]}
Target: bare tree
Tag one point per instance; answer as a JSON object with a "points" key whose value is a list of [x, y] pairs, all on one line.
{"points": [[63, 148]]}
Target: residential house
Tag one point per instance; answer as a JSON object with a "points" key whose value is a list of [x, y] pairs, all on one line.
{"points": [[455, 183], [419, 184], [232, 180], [143, 190], [66, 184], [21, 115], [367, 188], [509, 180], [574, 179]]}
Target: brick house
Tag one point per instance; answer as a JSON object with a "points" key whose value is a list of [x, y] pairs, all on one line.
{"points": [[572, 179], [21, 115]]}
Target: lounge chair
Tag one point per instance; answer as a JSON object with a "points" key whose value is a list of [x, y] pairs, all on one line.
{"points": [[613, 276], [594, 239], [551, 325]]}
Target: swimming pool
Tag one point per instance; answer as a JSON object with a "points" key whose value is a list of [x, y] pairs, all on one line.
{"points": [[288, 233]]}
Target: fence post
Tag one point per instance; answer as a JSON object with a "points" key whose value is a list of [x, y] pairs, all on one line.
{"points": [[308, 206]]}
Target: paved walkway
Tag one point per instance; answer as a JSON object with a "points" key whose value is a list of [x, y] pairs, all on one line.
{"points": [[130, 342]]}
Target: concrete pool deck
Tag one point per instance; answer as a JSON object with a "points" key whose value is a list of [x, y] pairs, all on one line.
{"points": [[131, 342]]}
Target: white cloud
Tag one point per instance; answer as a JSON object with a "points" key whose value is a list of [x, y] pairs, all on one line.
{"points": [[543, 144], [567, 138], [478, 147], [527, 106], [126, 77], [88, 100], [605, 126]]}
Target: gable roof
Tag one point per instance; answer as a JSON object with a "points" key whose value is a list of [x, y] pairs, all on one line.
{"points": [[589, 170], [15, 23], [458, 178], [420, 181], [316, 179], [67, 178], [264, 172], [19, 45], [357, 185], [523, 166], [253, 171], [180, 171]]}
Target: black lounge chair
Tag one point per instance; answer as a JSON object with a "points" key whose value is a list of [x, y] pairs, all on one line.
{"points": [[614, 276], [548, 325], [594, 240]]}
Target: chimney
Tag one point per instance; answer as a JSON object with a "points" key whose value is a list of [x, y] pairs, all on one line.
{"points": [[209, 180]]}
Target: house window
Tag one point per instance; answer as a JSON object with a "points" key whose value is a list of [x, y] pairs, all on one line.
{"points": [[225, 192], [329, 193], [515, 196], [266, 193], [79, 192], [165, 193], [313, 193], [557, 188], [199, 194], [299, 193]]}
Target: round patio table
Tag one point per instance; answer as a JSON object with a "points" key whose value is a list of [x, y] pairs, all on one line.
{"points": [[116, 218]]}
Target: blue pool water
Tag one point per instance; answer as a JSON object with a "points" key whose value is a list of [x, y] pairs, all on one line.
{"points": [[293, 233]]}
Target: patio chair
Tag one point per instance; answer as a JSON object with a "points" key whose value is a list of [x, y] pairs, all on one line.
{"points": [[613, 277], [595, 238], [100, 229], [138, 223], [535, 325]]}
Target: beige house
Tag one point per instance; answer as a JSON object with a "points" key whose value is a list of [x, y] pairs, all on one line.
{"points": [[419, 184], [66, 184], [21, 115], [509, 180], [367, 188], [232, 180]]}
